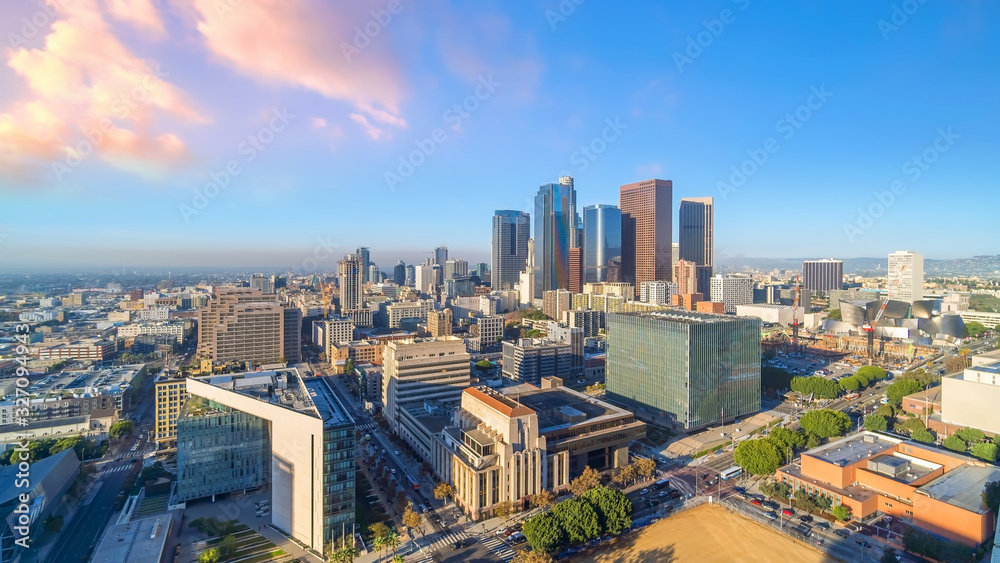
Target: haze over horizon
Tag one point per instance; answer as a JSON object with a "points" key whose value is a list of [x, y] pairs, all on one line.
{"points": [[803, 122]]}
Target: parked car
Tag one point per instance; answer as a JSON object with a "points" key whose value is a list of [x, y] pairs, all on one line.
{"points": [[787, 511], [842, 532], [823, 525], [755, 502], [771, 515], [644, 492], [806, 518]]}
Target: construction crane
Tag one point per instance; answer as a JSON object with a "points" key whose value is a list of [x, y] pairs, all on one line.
{"points": [[870, 327], [326, 291]]}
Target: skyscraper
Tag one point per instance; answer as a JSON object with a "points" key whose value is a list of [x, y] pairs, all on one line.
{"points": [[602, 243], [351, 282], [906, 275], [686, 277], [822, 275], [411, 275], [399, 274], [696, 225], [576, 270], [441, 255], [675, 255], [509, 247], [555, 234], [455, 268], [647, 226], [364, 259]]}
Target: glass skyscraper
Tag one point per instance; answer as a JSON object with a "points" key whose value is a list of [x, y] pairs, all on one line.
{"points": [[555, 234], [509, 247], [691, 369], [602, 243]]}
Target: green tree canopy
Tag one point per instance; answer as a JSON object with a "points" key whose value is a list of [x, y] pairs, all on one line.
{"points": [[121, 429], [954, 443], [835, 315], [484, 365], [886, 410], [543, 532], [986, 451], [975, 329], [785, 438], [578, 518], [850, 384], [818, 386], [825, 423], [876, 423], [758, 457], [923, 435], [971, 434], [991, 496], [901, 388], [210, 555], [614, 509], [888, 556], [872, 373], [841, 512]]}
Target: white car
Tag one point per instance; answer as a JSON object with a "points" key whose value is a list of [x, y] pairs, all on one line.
{"points": [[644, 492]]}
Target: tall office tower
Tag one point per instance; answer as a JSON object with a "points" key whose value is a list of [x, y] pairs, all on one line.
{"points": [[240, 323], [411, 275], [455, 268], [686, 277], [438, 274], [576, 270], [421, 369], [731, 291], [439, 323], [602, 244], [424, 278], [822, 275], [483, 269], [278, 282], [696, 227], [696, 369], [364, 260], [351, 283], [441, 255], [399, 274], [906, 274], [555, 234], [261, 282], [292, 337], [374, 276], [675, 255], [509, 247], [647, 225]]}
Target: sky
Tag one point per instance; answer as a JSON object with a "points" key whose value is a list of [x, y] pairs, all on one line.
{"points": [[286, 133]]}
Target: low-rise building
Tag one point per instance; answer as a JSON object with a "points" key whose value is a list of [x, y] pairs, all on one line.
{"points": [[93, 349], [781, 314], [969, 398]]}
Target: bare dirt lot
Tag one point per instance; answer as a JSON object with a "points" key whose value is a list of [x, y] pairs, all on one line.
{"points": [[707, 533]]}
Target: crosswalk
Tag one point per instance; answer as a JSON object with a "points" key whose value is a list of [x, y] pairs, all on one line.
{"points": [[364, 426], [127, 455], [499, 547], [114, 469]]}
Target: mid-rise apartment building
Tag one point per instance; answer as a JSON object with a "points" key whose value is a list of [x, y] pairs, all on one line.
{"points": [[422, 369]]}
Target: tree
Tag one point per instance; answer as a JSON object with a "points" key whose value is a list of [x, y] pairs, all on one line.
{"points": [[818, 386], [543, 499], [121, 429], [955, 363], [614, 509], [785, 438], [392, 541], [543, 532], [954, 443], [924, 436], [901, 388], [825, 423], [484, 365], [921, 543], [812, 440], [885, 410], [379, 533], [971, 434], [525, 556], [645, 468], [758, 457], [835, 315], [398, 559], [349, 367], [210, 555], [841, 512], [503, 509], [444, 491], [589, 479], [991, 496], [876, 423], [850, 384], [871, 373], [411, 519], [227, 547], [401, 501], [986, 451], [975, 329], [578, 518]]}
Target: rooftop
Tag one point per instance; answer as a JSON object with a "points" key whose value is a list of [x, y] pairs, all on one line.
{"points": [[136, 541], [83, 382], [852, 449], [962, 487], [498, 402], [560, 407], [281, 387], [685, 317], [331, 410]]}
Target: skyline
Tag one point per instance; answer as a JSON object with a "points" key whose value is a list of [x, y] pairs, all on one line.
{"points": [[333, 123]]}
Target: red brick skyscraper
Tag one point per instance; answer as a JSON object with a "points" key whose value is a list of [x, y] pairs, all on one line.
{"points": [[647, 229]]}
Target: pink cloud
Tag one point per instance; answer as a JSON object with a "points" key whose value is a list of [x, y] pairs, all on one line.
{"points": [[140, 13], [372, 131], [84, 80], [318, 123], [308, 44]]}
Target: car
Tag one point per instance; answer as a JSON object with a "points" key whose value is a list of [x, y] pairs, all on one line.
{"points": [[501, 531], [393, 470], [457, 545], [663, 493], [755, 502], [771, 515], [644, 492], [517, 537], [396, 452], [383, 452], [842, 532], [675, 494], [823, 525], [654, 502], [787, 511], [805, 518], [771, 504]]}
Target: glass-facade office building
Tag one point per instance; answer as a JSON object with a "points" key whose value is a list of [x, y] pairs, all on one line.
{"points": [[602, 243], [692, 369], [555, 233]]}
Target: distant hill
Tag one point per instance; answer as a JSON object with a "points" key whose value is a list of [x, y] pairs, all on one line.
{"points": [[982, 266]]}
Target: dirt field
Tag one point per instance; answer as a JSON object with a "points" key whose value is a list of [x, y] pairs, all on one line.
{"points": [[707, 533]]}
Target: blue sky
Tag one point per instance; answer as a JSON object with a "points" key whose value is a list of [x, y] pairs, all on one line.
{"points": [[184, 86]]}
